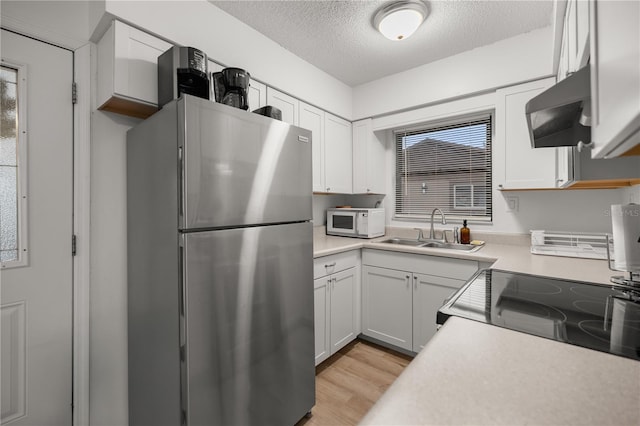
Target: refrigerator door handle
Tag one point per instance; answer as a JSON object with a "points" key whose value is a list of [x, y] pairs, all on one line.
{"points": [[181, 183]]}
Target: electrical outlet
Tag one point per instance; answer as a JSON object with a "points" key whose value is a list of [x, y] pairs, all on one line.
{"points": [[512, 203]]}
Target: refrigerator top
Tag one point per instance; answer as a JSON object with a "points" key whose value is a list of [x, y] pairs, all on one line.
{"points": [[238, 168]]}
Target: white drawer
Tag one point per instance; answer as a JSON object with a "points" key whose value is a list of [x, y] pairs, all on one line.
{"points": [[331, 264]]}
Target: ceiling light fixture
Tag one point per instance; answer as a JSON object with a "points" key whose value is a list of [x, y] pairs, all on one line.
{"points": [[398, 20]]}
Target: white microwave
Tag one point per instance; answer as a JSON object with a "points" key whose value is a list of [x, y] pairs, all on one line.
{"points": [[353, 222]]}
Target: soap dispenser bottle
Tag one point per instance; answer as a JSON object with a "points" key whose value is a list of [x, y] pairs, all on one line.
{"points": [[465, 233]]}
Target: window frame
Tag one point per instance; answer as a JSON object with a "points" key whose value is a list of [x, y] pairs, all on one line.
{"points": [[472, 198], [22, 164], [431, 125]]}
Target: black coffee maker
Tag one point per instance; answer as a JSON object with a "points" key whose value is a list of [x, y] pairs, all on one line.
{"points": [[182, 70], [230, 87]]}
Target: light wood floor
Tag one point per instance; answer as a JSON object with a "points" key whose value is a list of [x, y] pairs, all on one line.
{"points": [[351, 381]]}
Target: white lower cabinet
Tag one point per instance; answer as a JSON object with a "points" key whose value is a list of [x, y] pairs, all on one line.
{"points": [[387, 306], [401, 294], [429, 294], [336, 302]]}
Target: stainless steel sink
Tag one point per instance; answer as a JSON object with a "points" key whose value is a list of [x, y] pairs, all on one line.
{"points": [[451, 246], [403, 242], [431, 244]]}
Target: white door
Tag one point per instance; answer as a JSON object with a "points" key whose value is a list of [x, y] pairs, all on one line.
{"points": [[343, 312], [37, 295]]}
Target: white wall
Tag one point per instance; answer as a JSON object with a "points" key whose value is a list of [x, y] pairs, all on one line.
{"points": [[631, 195], [565, 210], [517, 59], [108, 345], [322, 202], [65, 23], [232, 43]]}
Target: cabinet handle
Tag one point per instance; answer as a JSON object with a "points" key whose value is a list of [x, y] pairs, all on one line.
{"points": [[328, 284], [582, 146], [333, 285], [408, 281], [415, 283], [330, 265]]}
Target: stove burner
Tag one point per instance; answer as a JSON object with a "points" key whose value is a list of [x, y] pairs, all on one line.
{"points": [[562, 310], [595, 329], [592, 307], [594, 292]]}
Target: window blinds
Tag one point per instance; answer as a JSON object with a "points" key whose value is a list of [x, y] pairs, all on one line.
{"points": [[448, 167]]}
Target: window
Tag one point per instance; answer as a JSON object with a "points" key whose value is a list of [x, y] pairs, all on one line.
{"points": [[469, 197], [446, 167], [12, 173]]}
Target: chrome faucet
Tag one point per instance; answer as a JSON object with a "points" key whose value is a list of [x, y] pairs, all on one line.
{"points": [[432, 234]]}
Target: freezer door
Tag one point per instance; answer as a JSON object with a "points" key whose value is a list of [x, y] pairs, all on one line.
{"points": [[248, 326], [240, 168]]}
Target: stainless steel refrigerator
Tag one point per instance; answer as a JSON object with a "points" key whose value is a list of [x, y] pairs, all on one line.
{"points": [[220, 268]]}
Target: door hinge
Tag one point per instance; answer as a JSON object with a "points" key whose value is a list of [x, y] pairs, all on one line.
{"points": [[73, 245], [74, 93]]}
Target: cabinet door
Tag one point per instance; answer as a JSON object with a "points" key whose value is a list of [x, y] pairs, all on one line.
{"points": [[386, 306], [213, 67], [312, 118], [257, 95], [582, 32], [570, 23], [564, 166], [338, 155], [523, 167], [321, 303], [128, 70], [563, 62], [343, 309], [368, 159], [285, 103], [429, 293], [615, 77]]}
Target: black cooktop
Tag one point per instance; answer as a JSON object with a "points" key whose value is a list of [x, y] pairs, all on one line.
{"points": [[600, 317]]}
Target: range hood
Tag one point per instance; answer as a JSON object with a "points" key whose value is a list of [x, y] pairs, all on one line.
{"points": [[561, 115]]}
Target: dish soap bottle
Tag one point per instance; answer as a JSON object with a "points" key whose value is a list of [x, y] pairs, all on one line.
{"points": [[465, 233]]}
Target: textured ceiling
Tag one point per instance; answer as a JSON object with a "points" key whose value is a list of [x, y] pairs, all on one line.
{"points": [[338, 36]]}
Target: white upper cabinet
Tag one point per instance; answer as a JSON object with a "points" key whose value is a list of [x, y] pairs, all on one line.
{"points": [[368, 159], [312, 118], [338, 154], [127, 70], [522, 166], [257, 95], [615, 77], [332, 149], [575, 38], [285, 103]]}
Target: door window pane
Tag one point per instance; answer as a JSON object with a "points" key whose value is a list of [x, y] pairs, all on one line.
{"points": [[8, 165]]}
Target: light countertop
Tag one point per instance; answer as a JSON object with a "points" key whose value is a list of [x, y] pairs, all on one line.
{"points": [[475, 373], [508, 253]]}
